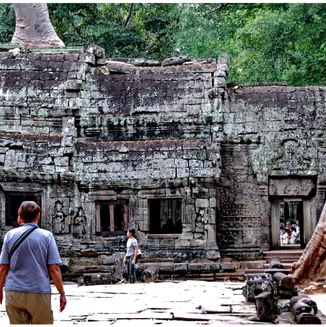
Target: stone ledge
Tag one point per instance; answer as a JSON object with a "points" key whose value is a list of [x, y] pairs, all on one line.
{"points": [[78, 49], [190, 268], [10, 46]]}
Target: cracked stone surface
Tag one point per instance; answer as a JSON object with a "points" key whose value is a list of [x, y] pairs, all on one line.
{"points": [[168, 303]]}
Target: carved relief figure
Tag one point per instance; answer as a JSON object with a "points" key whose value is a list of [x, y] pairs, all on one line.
{"points": [[79, 227], [69, 220], [200, 221], [292, 155], [58, 219]]}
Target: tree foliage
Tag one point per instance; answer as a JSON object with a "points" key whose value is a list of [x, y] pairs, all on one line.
{"points": [[286, 45], [283, 42], [266, 42], [7, 22], [126, 29]]}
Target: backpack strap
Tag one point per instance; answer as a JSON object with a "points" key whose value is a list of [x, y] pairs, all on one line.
{"points": [[20, 240]]}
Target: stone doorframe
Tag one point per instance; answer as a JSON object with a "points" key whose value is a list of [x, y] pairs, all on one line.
{"points": [[294, 188]]}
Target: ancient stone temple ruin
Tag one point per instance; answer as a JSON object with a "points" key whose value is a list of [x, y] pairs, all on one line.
{"points": [[200, 168]]}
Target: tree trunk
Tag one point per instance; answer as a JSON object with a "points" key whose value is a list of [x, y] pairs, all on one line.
{"points": [[33, 27], [130, 14], [309, 265]]}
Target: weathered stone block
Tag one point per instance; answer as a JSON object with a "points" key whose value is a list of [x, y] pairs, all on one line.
{"points": [[213, 254], [88, 58], [227, 266], [202, 203], [73, 85]]}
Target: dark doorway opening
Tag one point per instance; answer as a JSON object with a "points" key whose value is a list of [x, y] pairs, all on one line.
{"points": [[13, 202]]}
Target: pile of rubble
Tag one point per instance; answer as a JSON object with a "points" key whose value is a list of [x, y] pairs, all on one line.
{"points": [[266, 289]]}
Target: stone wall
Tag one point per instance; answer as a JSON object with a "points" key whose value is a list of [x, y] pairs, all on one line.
{"points": [[80, 133], [274, 134], [94, 139]]}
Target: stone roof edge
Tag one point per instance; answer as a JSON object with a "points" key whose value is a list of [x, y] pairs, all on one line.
{"points": [[95, 55], [271, 87]]}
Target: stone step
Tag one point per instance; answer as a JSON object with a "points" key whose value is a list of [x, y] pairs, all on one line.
{"points": [[284, 254], [218, 276], [155, 259], [287, 257], [260, 271], [286, 265], [86, 272], [165, 268]]}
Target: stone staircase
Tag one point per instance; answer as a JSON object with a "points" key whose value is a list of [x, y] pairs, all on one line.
{"points": [[286, 256], [227, 270], [224, 270]]}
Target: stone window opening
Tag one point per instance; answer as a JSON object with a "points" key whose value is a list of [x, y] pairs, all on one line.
{"points": [[112, 217], [165, 216], [13, 202]]}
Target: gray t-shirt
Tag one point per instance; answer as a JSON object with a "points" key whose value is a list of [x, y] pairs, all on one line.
{"points": [[28, 270]]}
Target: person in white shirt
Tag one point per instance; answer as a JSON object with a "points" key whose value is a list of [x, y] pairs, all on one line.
{"points": [[130, 258], [294, 235]]}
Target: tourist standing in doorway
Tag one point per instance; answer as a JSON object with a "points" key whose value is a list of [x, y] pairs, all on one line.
{"points": [[26, 271], [294, 236], [296, 228], [130, 259]]}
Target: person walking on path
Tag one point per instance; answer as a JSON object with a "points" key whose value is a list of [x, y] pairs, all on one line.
{"points": [[26, 269], [130, 259]]}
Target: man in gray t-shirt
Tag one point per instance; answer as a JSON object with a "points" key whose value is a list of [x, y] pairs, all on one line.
{"points": [[27, 272]]}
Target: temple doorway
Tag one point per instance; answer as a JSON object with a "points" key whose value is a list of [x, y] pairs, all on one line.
{"points": [[288, 223], [293, 211]]}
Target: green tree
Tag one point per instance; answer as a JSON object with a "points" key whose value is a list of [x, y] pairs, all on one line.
{"points": [[7, 25], [103, 24], [286, 45], [308, 64], [158, 24], [266, 42], [125, 29], [207, 29]]}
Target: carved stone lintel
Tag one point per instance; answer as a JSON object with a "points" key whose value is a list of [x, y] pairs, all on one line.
{"points": [[302, 186]]}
